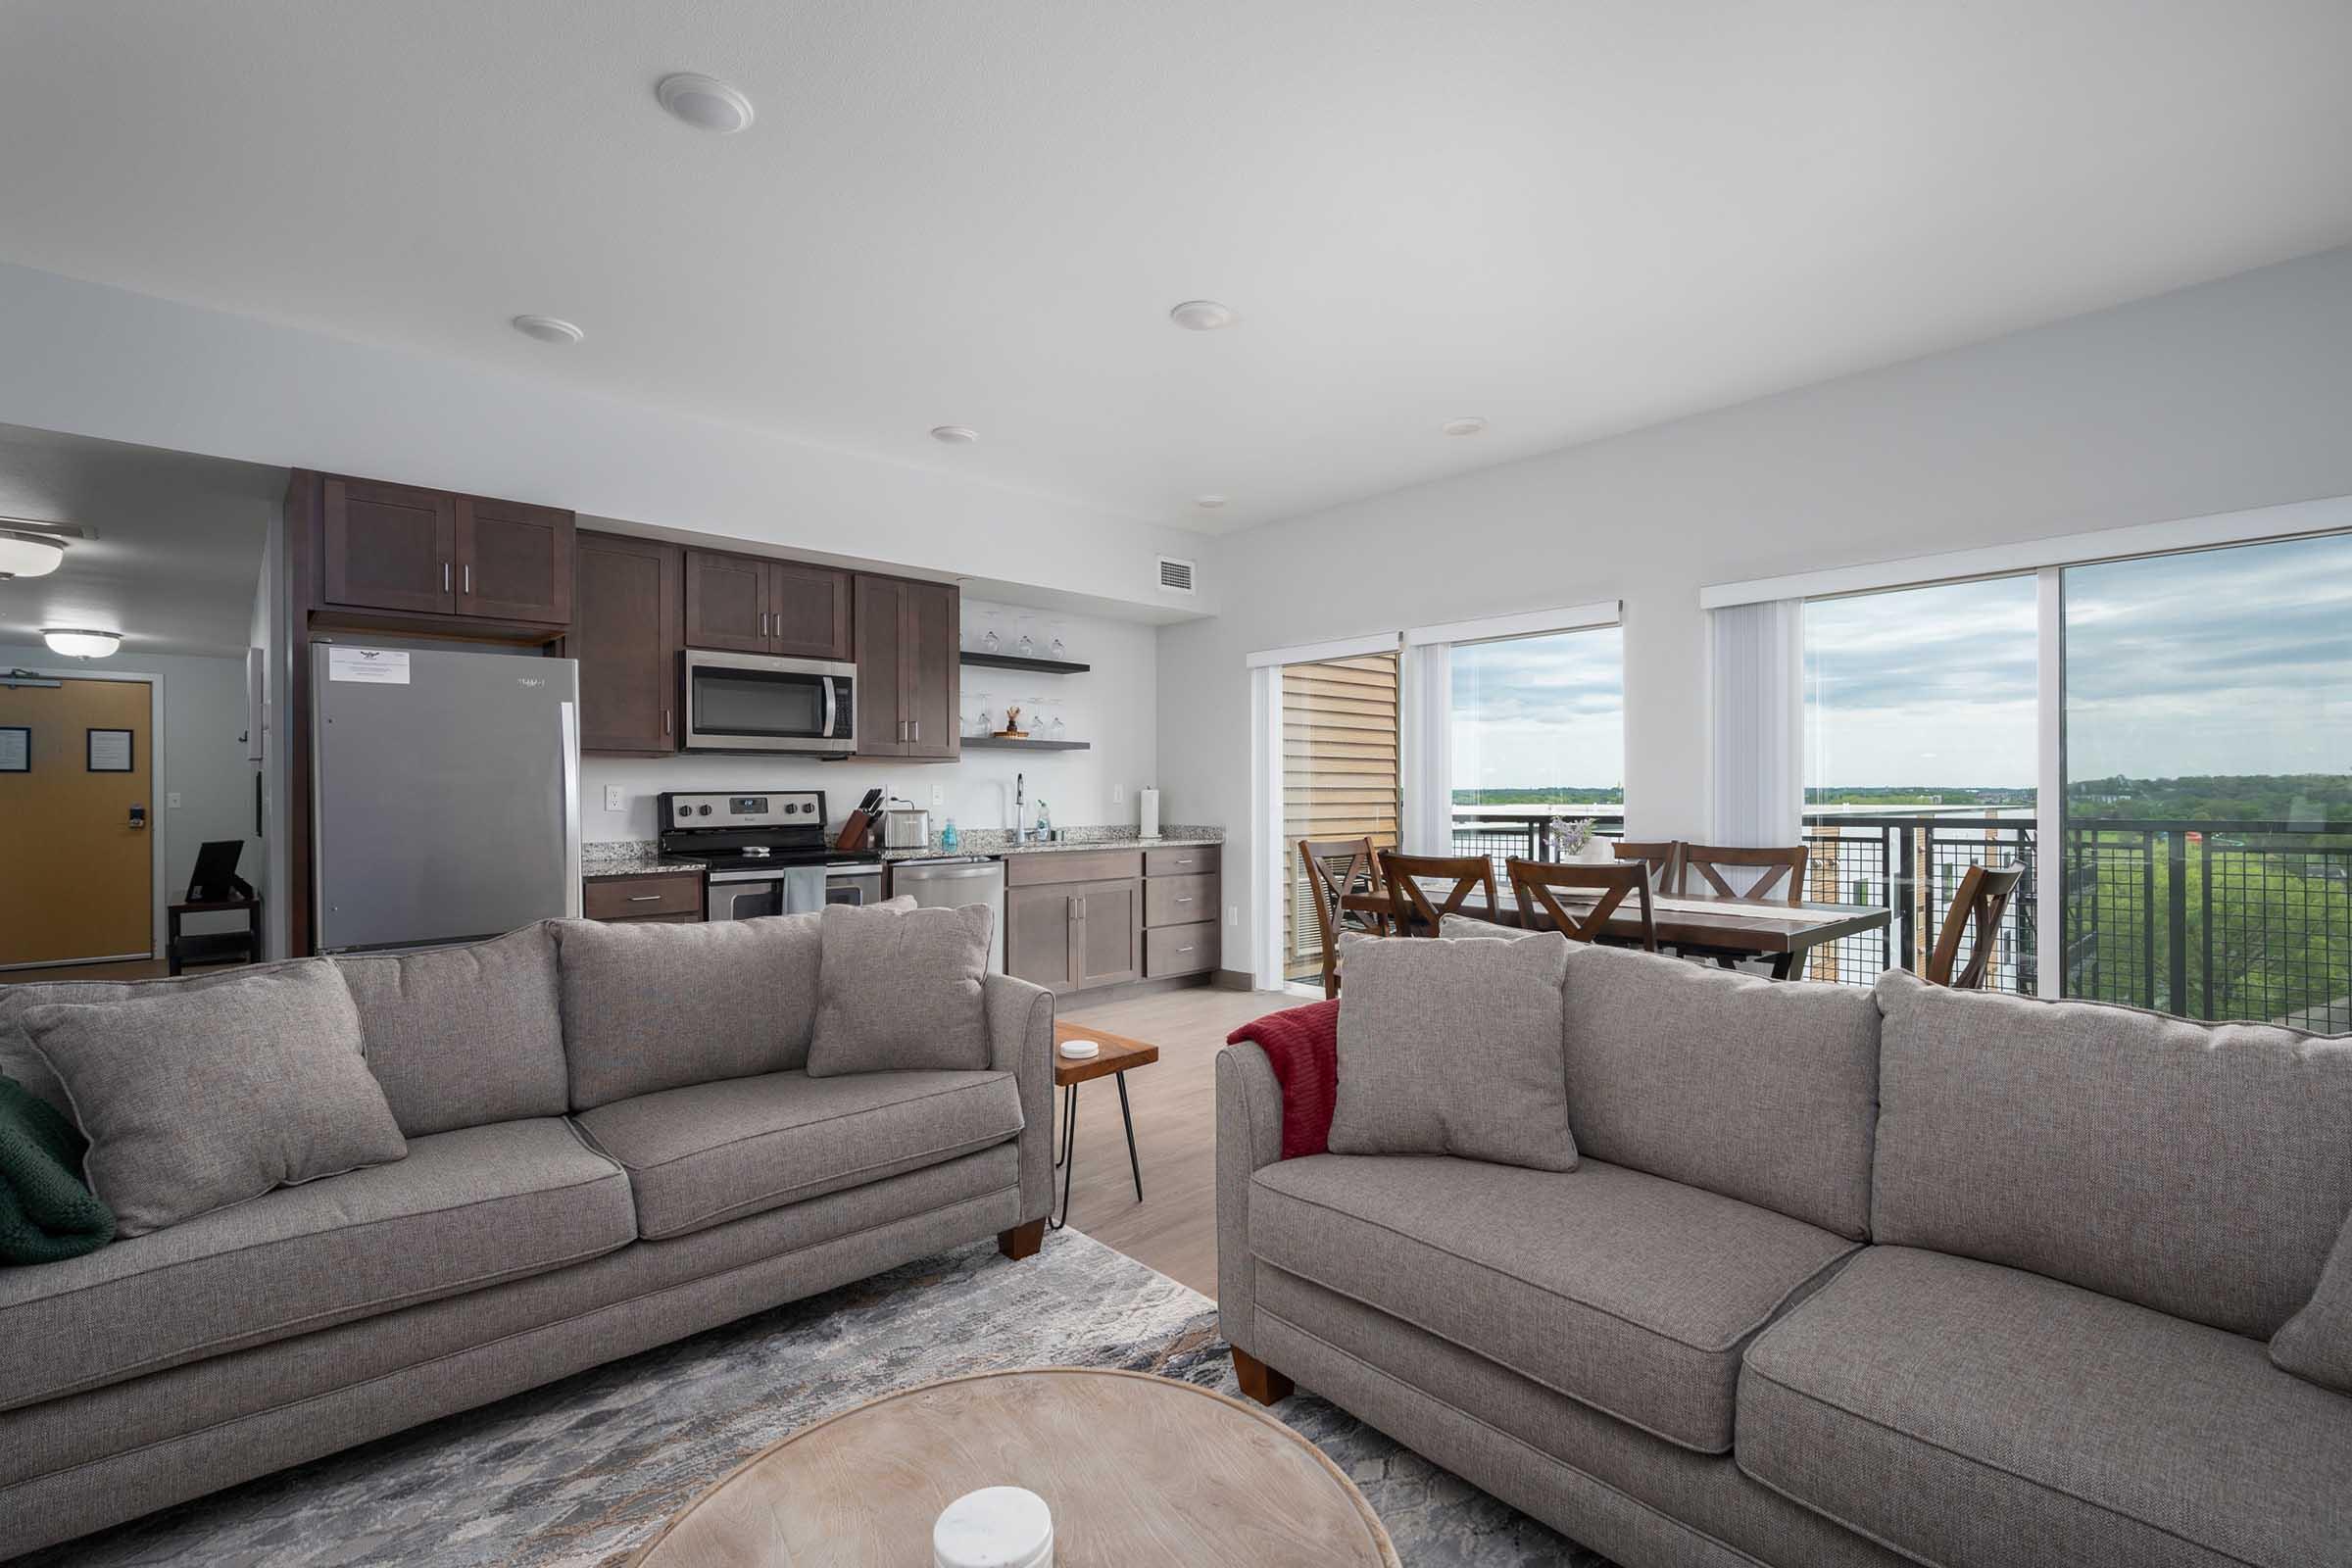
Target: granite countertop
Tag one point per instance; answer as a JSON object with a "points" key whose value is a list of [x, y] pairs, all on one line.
{"points": [[632, 861], [993, 844]]}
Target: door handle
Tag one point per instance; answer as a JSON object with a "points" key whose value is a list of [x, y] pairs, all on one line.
{"points": [[830, 709], [763, 624]]}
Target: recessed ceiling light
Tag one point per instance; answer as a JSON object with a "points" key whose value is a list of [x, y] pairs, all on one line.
{"points": [[77, 643], [704, 101], [1208, 503], [955, 435], [28, 555], [1468, 426], [547, 329], [1204, 316]]}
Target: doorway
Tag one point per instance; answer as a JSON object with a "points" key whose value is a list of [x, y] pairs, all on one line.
{"points": [[78, 819]]}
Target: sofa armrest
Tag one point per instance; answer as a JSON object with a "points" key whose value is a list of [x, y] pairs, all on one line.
{"points": [[1020, 1042], [1248, 1139]]}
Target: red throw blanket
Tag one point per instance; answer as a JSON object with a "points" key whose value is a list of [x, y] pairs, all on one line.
{"points": [[1303, 1046]]}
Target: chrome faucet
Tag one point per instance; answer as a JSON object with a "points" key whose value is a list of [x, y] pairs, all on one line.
{"points": [[1021, 832]]}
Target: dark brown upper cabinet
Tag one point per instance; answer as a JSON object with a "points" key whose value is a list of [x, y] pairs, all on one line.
{"points": [[389, 547], [749, 604], [515, 562], [909, 677], [393, 547], [626, 636]]}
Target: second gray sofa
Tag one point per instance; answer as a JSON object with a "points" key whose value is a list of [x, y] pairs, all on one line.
{"points": [[1841, 1278], [613, 1143]]}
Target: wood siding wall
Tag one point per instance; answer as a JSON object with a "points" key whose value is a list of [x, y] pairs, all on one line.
{"points": [[1339, 775]]}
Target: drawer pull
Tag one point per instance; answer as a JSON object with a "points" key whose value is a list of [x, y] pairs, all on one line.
{"points": [[645, 897], [1183, 901], [1184, 950]]}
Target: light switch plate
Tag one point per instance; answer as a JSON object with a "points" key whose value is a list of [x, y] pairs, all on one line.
{"points": [[1118, 792], [1233, 915], [939, 795], [614, 800], [173, 800]]}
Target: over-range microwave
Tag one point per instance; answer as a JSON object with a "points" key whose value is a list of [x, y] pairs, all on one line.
{"points": [[758, 703]]}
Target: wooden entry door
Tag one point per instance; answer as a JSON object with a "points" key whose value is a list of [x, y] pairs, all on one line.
{"points": [[79, 876]]}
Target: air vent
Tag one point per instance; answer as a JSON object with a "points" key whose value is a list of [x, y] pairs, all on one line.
{"points": [[1175, 577]]}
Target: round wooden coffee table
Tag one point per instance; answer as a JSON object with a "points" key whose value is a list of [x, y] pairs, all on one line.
{"points": [[1139, 1471]]}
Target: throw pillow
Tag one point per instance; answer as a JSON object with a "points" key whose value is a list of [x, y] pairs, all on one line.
{"points": [[2316, 1344], [198, 1100], [899, 989], [46, 1214], [1455, 1048], [1465, 927]]}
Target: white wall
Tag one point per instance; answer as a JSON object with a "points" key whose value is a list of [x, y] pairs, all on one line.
{"points": [[2231, 395], [200, 755], [95, 361], [1112, 705]]}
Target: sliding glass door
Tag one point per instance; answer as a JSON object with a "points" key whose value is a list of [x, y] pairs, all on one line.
{"points": [[1338, 780], [2208, 744]]}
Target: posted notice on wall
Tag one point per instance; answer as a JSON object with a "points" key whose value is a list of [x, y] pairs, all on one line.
{"points": [[380, 666]]}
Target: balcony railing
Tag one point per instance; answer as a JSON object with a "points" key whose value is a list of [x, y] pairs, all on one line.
{"points": [[2210, 919]]}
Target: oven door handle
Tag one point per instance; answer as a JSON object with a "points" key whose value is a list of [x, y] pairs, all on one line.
{"points": [[830, 709]]}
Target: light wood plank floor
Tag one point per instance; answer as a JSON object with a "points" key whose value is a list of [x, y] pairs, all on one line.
{"points": [[1174, 1229]]}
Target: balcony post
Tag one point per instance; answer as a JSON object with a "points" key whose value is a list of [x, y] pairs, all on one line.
{"points": [[2176, 930]]}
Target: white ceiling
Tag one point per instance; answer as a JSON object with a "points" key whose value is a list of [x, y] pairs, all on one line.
{"points": [[1569, 218], [176, 542]]}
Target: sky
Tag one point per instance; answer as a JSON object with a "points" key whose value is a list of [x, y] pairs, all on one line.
{"points": [[1539, 710], [2221, 661]]}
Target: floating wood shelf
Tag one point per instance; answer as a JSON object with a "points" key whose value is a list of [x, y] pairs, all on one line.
{"points": [[1037, 666], [1005, 743]]}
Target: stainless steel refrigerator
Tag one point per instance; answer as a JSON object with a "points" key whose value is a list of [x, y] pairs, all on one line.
{"points": [[446, 791]]}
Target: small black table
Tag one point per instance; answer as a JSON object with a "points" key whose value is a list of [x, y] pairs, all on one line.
{"points": [[214, 946]]}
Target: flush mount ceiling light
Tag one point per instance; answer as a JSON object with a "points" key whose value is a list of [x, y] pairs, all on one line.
{"points": [[28, 555], [547, 329], [1204, 316], [81, 643], [1208, 503], [955, 435], [704, 101], [1470, 424]]}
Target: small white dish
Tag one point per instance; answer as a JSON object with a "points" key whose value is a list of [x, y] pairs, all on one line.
{"points": [[996, 1527], [1081, 1050]]}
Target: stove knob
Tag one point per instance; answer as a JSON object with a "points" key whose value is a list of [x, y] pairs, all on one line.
{"points": [[702, 810], [791, 806]]}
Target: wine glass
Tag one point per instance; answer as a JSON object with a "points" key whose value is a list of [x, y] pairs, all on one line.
{"points": [[1059, 647], [1028, 644], [976, 723]]}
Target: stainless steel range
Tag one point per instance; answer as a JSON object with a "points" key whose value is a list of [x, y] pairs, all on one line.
{"points": [[768, 853]]}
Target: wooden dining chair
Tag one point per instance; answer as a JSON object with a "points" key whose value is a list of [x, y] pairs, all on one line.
{"points": [[1783, 880], [1664, 859], [1335, 870], [1414, 914], [1536, 885], [1984, 895]]}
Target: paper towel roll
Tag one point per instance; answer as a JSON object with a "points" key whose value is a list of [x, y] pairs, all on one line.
{"points": [[1150, 801]]}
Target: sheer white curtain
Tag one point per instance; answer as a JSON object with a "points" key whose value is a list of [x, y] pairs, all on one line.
{"points": [[1426, 704], [1759, 723]]}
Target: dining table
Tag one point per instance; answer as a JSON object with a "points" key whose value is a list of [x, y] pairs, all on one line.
{"points": [[1729, 930]]}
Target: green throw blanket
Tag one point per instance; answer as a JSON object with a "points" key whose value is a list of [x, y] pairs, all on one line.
{"points": [[45, 1213]]}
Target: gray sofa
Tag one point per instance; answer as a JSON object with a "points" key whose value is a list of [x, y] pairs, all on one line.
{"points": [[612, 1143], [1843, 1278]]}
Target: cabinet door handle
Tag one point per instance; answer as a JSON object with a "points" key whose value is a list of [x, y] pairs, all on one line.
{"points": [[665, 722], [914, 729], [645, 897], [470, 576], [445, 576], [763, 624]]}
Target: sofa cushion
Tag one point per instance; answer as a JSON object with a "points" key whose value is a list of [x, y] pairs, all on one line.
{"points": [[463, 1036], [18, 1058], [1631, 1294], [899, 991], [2199, 1169], [1977, 1416], [1758, 1090], [2317, 1342], [649, 1006], [701, 1156], [196, 1099], [1453, 1047], [465, 1209]]}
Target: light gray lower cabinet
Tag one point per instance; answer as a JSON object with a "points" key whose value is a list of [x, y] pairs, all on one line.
{"points": [[1069, 936]]}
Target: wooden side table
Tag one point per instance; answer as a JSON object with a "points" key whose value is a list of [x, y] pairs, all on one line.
{"points": [[214, 947], [1118, 1056]]}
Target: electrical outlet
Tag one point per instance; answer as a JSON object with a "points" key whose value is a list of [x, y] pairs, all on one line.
{"points": [[614, 800], [1118, 792], [939, 795], [1233, 915], [173, 800]]}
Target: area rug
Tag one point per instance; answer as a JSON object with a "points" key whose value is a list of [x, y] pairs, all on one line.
{"points": [[583, 1471]]}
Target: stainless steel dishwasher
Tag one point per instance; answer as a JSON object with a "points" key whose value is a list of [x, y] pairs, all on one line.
{"points": [[953, 884]]}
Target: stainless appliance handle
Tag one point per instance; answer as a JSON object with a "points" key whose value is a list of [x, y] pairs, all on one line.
{"points": [[567, 761], [830, 709]]}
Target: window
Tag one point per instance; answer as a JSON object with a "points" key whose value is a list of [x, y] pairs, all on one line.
{"points": [[1536, 729], [1921, 753], [2209, 783]]}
